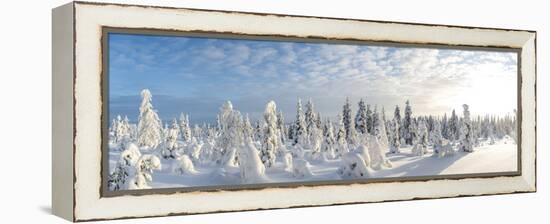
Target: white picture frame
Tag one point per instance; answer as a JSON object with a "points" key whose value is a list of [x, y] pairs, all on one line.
{"points": [[77, 110]]}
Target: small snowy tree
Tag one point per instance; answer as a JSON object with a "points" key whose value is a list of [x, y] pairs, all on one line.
{"points": [[341, 147], [252, 169], [300, 129], [270, 142], [248, 131], [184, 126], [435, 136], [370, 123], [125, 168], [330, 141], [421, 144], [231, 134], [377, 154], [149, 125], [408, 128], [395, 143], [454, 127], [466, 132], [170, 146], [379, 131], [258, 131], [281, 126], [361, 118], [144, 172], [351, 135]]}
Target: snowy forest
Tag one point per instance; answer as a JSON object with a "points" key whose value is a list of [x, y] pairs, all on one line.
{"points": [[363, 143]]}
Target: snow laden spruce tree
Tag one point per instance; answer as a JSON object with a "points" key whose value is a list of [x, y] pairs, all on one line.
{"points": [[300, 131], [170, 145], [394, 128], [184, 127], [379, 131], [341, 141], [351, 135], [421, 144], [408, 126], [329, 140], [315, 134], [361, 118], [149, 124], [271, 138], [281, 126], [231, 135], [248, 130], [121, 132], [454, 127], [466, 132]]}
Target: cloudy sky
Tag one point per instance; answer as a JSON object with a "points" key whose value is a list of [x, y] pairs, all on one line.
{"points": [[196, 75]]}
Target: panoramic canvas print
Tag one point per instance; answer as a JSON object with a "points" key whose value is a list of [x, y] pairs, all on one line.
{"points": [[188, 111]]}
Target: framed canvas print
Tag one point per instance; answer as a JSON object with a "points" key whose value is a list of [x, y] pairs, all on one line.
{"points": [[167, 111]]}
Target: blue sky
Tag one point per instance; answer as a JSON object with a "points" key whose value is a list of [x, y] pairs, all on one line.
{"points": [[196, 75]]}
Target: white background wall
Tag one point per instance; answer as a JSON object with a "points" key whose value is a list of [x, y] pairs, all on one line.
{"points": [[25, 112]]}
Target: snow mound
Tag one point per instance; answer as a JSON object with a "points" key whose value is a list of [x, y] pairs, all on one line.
{"points": [[354, 166], [183, 165], [301, 168]]}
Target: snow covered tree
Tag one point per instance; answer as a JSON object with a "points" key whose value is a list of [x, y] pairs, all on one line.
{"points": [[397, 117], [435, 134], [375, 120], [248, 131], [125, 168], [329, 140], [184, 127], [377, 153], [395, 143], [310, 118], [300, 128], [379, 130], [370, 124], [231, 134], [170, 146], [318, 120], [421, 143], [408, 128], [290, 133], [258, 131], [454, 127], [466, 132], [340, 138], [270, 142], [444, 127], [252, 169], [281, 126], [144, 172], [149, 124], [361, 118], [351, 135]]}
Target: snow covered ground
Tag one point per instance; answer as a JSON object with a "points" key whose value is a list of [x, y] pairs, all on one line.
{"points": [[499, 157]]}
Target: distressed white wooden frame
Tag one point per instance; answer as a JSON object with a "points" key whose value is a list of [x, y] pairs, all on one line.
{"points": [[84, 137]]}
